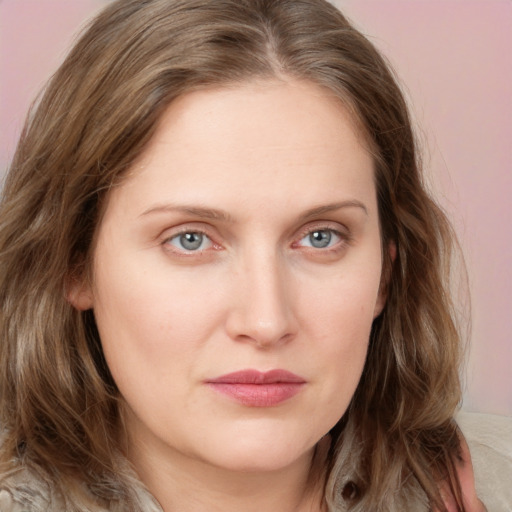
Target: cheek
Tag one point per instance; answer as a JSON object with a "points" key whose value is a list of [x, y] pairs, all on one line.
{"points": [[342, 308], [151, 324], [340, 318]]}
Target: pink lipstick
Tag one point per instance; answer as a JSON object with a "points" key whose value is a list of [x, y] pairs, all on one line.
{"points": [[258, 389]]}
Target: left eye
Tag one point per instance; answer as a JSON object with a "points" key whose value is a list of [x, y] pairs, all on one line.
{"points": [[190, 241], [320, 239]]}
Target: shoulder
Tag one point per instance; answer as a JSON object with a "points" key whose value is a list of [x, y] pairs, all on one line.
{"points": [[26, 490], [466, 477], [7, 503], [485, 465], [22, 491], [489, 449]]}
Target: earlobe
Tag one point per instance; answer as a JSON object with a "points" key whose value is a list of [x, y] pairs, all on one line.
{"points": [[387, 271], [381, 301], [79, 294]]}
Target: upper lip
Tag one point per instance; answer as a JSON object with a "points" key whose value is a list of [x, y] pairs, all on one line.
{"points": [[257, 377]]}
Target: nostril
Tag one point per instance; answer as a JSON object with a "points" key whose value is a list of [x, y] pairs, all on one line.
{"points": [[245, 327], [265, 343]]}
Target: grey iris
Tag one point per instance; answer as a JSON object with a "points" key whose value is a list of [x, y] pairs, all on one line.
{"points": [[320, 239], [191, 241]]}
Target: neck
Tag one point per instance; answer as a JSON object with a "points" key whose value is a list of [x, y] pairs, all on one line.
{"points": [[190, 485]]}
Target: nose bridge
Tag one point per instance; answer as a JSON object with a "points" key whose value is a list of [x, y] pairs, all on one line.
{"points": [[263, 312]]}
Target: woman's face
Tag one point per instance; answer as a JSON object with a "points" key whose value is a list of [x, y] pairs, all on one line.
{"points": [[236, 276]]}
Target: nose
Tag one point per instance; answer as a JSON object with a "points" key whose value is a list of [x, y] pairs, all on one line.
{"points": [[262, 311]]}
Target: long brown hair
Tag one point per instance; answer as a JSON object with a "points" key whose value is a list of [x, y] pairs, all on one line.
{"points": [[58, 403]]}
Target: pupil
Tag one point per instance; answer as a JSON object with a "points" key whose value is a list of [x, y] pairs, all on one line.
{"points": [[191, 241], [320, 239]]}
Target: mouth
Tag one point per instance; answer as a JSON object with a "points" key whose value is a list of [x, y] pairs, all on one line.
{"points": [[253, 388]]}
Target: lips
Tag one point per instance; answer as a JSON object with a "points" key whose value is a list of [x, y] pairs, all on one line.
{"points": [[258, 389]]}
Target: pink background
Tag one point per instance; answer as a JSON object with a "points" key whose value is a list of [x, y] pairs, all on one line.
{"points": [[453, 56]]}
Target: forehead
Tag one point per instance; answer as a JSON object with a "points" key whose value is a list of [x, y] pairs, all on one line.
{"points": [[272, 138], [268, 105]]}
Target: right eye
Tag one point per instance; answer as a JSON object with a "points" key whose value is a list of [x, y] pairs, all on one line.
{"points": [[190, 241]]}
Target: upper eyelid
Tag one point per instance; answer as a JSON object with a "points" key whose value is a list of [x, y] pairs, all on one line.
{"points": [[334, 226], [185, 231], [172, 232]]}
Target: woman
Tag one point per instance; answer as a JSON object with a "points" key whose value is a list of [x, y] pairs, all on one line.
{"points": [[224, 286]]}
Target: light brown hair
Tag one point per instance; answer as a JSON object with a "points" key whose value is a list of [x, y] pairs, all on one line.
{"points": [[58, 402]]}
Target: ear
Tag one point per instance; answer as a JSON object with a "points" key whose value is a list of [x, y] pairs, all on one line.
{"points": [[387, 269], [79, 293]]}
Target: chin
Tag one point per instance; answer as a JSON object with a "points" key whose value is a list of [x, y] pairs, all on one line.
{"points": [[258, 453], [260, 462]]}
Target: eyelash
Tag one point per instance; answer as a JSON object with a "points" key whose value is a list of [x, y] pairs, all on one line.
{"points": [[344, 239]]}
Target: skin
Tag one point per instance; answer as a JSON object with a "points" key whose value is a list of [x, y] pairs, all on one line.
{"points": [[466, 477], [254, 169]]}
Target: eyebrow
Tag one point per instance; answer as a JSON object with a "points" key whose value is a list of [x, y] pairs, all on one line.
{"points": [[215, 214], [196, 211], [319, 210]]}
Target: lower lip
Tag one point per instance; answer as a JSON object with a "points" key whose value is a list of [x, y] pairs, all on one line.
{"points": [[258, 395]]}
